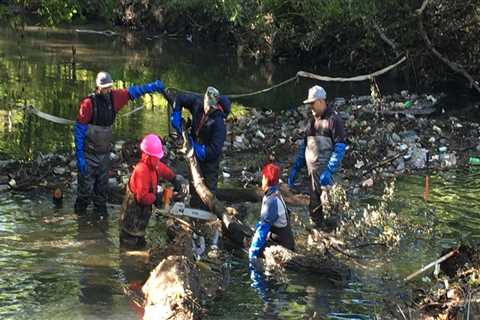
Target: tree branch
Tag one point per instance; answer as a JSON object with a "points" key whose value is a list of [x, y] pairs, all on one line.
{"points": [[452, 65]]}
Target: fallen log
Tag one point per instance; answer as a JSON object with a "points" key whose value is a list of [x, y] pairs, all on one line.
{"points": [[179, 287], [172, 290], [233, 228], [279, 258]]}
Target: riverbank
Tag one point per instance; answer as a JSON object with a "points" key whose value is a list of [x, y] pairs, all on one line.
{"points": [[353, 38]]}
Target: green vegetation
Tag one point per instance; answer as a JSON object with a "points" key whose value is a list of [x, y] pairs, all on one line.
{"points": [[351, 34]]}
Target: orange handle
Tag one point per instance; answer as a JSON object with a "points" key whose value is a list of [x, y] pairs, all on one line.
{"points": [[167, 196]]}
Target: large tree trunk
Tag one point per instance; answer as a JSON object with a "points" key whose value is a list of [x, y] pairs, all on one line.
{"points": [[280, 258], [179, 287], [232, 227]]}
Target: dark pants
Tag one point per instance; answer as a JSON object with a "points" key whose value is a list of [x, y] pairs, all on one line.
{"points": [[210, 178], [93, 186], [315, 208]]}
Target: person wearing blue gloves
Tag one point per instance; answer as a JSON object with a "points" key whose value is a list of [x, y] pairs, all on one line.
{"points": [[322, 152], [93, 138], [208, 133], [274, 223]]}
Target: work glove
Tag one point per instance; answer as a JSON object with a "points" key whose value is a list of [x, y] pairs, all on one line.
{"points": [[333, 164], [80, 133], [199, 149], [136, 92], [176, 121], [298, 164], [326, 178], [180, 184]]}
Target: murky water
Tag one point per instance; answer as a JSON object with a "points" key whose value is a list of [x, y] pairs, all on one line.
{"points": [[54, 265]]}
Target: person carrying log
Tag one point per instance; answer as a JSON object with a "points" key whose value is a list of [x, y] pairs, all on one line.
{"points": [[274, 223], [141, 192], [93, 138], [208, 133], [322, 151]]}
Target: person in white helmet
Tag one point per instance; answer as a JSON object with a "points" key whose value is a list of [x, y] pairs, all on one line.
{"points": [[93, 138]]}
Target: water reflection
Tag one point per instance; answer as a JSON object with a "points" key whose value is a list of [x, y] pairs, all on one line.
{"points": [[54, 69], [95, 287]]}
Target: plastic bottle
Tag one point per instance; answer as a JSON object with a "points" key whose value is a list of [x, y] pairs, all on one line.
{"points": [[474, 161], [407, 104]]}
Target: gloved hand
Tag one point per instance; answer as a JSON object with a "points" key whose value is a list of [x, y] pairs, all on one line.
{"points": [[336, 157], [326, 178], [176, 121], [259, 240], [80, 133], [180, 184], [333, 164], [298, 164], [136, 92], [199, 149]]}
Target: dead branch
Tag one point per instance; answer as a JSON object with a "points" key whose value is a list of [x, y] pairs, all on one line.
{"points": [[452, 65]]}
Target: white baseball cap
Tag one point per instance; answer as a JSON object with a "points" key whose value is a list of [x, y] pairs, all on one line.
{"points": [[104, 80], [315, 93]]}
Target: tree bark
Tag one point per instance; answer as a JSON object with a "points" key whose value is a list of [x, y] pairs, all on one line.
{"points": [[235, 230], [278, 257]]}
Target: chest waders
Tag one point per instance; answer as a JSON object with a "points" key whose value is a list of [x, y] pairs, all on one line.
{"points": [[133, 220], [281, 231], [98, 141], [319, 149]]}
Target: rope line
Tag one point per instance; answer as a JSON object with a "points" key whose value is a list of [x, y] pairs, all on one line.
{"points": [[49, 117], [304, 74], [31, 109], [356, 78]]}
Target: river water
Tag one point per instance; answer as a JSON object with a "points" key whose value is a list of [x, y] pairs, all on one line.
{"points": [[54, 265]]}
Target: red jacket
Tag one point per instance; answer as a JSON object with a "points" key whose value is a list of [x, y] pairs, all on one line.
{"points": [[120, 99], [144, 179]]}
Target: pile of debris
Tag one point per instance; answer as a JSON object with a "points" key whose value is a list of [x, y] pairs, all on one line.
{"points": [[454, 291]]}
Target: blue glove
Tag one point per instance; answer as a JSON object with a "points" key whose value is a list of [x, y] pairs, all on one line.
{"points": [[333, 164], [136, 92], [297, 165], [326, 178], [79, 133], [336, 157], [200, 151], [259, 240], [176, 121]]}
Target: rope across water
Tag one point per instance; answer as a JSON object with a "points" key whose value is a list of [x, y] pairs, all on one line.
{"points": [[300, 74]]}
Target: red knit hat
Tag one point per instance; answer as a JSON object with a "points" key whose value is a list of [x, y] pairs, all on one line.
{"points": [[272, 173]]}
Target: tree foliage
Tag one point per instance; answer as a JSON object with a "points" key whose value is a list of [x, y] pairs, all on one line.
{"points": [[353, 34]]}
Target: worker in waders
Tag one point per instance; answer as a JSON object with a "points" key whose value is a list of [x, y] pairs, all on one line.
{"points": [[208, 133], [141, 192], [322, 151], [93, 138], [274, 224]]}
